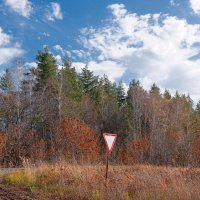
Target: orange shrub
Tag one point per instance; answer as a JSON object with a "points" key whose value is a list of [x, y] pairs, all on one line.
{"points": [[196, 151], [76, 141], [3, 139], [137, 150]]}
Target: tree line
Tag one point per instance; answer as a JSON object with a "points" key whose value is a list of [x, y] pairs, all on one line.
{"points": [[57, 113]]}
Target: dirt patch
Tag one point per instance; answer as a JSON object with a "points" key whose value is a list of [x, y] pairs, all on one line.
{"points": [[8, 192]]}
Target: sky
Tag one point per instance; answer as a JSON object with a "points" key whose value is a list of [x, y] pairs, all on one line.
{"points": [[155, 41]]}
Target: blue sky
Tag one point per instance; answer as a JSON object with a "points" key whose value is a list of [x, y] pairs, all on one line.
{"points": [[152, 41]]}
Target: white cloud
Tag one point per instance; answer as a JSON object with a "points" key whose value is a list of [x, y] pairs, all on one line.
{"points": [[57, 47], [54, 12], [79, 53], [63, 52], [46, 34], [30, 65], [6, 54], [4, 38], [152, 48], [79, 66], [112, 69], [8, 50], [174, 3], [22, 7], [195, 5], [58, 59]]}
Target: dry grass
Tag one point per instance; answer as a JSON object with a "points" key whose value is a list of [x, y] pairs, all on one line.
{"points": [[140, 182]]}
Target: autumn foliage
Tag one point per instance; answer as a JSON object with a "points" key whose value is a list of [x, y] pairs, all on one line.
{"points": [[52, 113], [76, 141]]}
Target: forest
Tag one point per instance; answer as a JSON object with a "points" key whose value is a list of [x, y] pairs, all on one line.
{"points": [[55, 113]]}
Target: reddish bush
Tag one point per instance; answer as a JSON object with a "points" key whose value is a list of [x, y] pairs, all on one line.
{"points": [[196, 151], [76, 141], [3, 139], [137, 150]]}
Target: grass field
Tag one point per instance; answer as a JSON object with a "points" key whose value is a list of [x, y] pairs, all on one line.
{"points": [[141, 182]]}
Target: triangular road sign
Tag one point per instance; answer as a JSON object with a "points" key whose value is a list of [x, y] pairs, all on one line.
{"points": [[110, 140]]}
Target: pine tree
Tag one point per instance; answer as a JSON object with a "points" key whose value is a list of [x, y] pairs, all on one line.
{"points": [[155, 89], [47, 67], [70, 77], [197, 109], [134, 83], [7, 101], [90, 83], [45, 116], [6, 82], [107, 90], [121, 95], [167, 94]]}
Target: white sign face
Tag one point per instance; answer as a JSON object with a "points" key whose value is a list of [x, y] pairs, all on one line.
{"points": [[110, 141]]}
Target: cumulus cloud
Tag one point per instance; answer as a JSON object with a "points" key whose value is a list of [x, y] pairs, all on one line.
{"points": [[174, 3], [8, 50], [4, 38], [152, 48], [29, 65], [62, 51], [22, 7], [112, 69], [54, 12], [195, 5]]}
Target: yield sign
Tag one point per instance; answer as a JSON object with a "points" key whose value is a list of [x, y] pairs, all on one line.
{"points": [[110, 140]]}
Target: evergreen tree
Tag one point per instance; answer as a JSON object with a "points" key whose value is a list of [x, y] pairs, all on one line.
{"points": [[177, 96], [47, 67], [155, 89], [46, 115], [90, 83], [6, 82], [197, 109], [107, 89], [70, 77], [134, 83], [121, 95], [167, 94]]}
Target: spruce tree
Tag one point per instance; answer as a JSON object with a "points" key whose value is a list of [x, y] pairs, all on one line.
{"points": [[197, 109], [47, 67], [90, 83], [167, 94], [121, 95], [155, 89], [6, 82], [70, 77]]}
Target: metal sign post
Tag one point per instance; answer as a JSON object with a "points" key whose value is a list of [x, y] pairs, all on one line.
{"points": [[110, 141], [107, 167]]}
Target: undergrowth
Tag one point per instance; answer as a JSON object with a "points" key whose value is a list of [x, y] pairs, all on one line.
{"points": [[124, 182]]}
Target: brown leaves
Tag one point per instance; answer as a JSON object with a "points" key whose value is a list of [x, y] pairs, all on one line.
{"points": [[77, 141]]}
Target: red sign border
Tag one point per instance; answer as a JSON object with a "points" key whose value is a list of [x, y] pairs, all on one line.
{"points": [[110, 134]]}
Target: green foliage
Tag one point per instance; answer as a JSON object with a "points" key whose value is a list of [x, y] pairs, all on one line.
{"points": [[71, 81], [154, 89], [49, 95], [121, 95], [167, 94], [89, 82], [47, 66], [21, 179], [197, 109], [106, 89], [6, 82]]}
